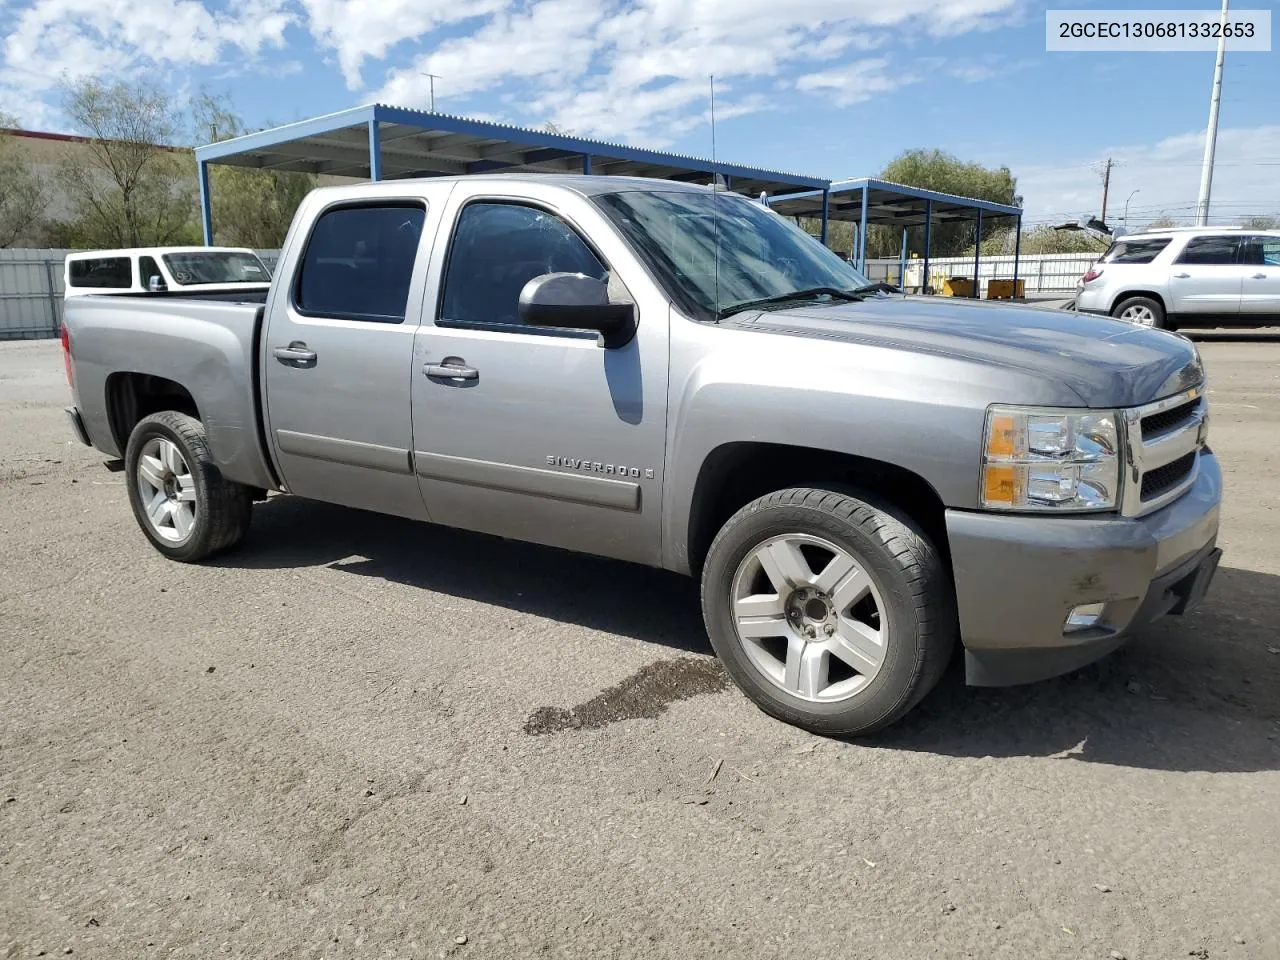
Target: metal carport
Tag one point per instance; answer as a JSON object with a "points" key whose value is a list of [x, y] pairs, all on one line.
{"points": [[380, 142], [871, 201]]}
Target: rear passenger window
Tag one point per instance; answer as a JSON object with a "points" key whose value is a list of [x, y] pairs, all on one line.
{"points": [[148, 268], [497, 249], [1135, 251], [1210, 250], [359, 263], [113, 272]]}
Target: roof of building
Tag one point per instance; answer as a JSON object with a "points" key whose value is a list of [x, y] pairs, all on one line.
{"points": [[416, 143]]}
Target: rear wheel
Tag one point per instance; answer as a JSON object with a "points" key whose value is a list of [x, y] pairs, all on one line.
{"points": [[1143, 311], [180, 499], [831, 612]]}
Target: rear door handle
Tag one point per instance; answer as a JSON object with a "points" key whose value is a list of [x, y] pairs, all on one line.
{"points": [[296, 354], [453, 368], [1182, 276], [1258, 276]]}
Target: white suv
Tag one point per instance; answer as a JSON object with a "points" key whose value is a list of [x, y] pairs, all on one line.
{"points": [[1202, 275]]}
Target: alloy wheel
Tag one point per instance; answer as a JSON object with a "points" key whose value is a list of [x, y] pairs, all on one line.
{"points": [[810, 617]]}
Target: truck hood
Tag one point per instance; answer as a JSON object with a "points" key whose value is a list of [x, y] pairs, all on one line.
{"points": [[1106, 363]]}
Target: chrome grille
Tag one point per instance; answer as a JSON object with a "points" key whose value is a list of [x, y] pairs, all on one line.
{"points": [[1167, 420], [1162, 450], [1162, 479]]}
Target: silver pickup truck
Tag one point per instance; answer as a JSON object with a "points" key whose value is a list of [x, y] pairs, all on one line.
{"points": [[676, 376]]}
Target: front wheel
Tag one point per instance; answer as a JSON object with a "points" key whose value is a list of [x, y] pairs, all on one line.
{"points": [[184, 505], [831, 612]]}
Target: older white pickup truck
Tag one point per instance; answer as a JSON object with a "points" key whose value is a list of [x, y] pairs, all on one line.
{"points": [[673, 376]]}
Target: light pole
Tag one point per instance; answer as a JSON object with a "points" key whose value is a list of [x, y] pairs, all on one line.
{"points": [[432, 77], [1125, 218], [1211, 135]]}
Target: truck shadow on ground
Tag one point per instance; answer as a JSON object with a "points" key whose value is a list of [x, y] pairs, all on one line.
{"points": [[1200, 692]]}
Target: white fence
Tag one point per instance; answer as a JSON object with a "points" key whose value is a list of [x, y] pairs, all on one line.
{"points": [[1046, 273], [31, 291]]}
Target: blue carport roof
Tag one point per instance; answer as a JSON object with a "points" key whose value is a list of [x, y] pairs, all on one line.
{"points": [[889, 203], [414, 143]]}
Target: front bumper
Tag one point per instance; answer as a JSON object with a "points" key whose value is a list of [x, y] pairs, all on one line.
{"points": [[1017, 578]]}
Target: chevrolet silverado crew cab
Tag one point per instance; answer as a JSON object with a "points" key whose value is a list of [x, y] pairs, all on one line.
{"points": [[676, 376], [1216, 276]]}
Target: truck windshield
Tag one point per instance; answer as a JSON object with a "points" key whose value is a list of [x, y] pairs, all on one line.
{"points": [[762, 257], [220, 267]]}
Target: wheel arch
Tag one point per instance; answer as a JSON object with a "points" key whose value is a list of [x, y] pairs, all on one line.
{"points": [[1130, 294], [733, 474], [130, 397]]}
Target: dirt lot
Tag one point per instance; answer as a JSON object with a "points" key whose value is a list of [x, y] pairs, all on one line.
{"points": [[353, 739]]}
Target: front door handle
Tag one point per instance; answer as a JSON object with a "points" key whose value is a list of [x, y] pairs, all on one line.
{"points": [[453, 368], [1182, 276], [296, 354]]}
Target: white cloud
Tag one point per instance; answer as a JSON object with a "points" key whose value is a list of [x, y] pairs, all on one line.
{"points": [[638, 70], [56, 39], [1166, 175], [362, 29], [855, 82]]}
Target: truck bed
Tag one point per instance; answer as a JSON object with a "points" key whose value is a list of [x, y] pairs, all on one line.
{"points": [[207, 344]]}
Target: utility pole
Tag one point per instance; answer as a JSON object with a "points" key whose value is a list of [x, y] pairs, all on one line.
{"points": [[432, 78], [1106, 187], [1211, 135]]}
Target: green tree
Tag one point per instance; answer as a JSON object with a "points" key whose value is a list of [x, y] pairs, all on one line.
{"points": [[1261, 223], [136, 189], [24, 195], [1038, 240], [1161, 223], [945, 173], [251, 208]]}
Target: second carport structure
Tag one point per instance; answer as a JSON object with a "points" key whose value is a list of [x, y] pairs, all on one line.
{"points": [[870, 201]]}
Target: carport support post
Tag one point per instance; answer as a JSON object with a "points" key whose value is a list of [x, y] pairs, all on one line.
{"points": [[862, 235], [375, 152], [977, 254], [826, 209], [1017, 252], [928, 238], [586, 164], [206, 203], [902, 263]]}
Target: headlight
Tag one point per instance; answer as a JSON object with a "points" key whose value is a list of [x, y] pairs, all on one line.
{"points": [[1039, 458]]}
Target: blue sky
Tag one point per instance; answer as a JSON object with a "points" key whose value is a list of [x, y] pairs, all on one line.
{"points": [[825, 87]]}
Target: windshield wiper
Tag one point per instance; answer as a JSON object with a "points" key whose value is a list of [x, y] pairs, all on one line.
{"points": [[878, 287], [781, 298]]}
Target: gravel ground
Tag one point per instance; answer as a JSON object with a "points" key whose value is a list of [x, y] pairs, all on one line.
{"points": [[357, 737]]}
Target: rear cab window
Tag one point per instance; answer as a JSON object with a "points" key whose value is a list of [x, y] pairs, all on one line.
{"points": [[358, 263], [1135, 251], [115, 273]]}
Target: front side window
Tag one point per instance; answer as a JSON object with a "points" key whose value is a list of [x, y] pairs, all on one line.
{"points": [[114, 273], [497, 249], [218, 267], [1210, 250], [759, 254], [1263, 251], [1135, 251], [358, 264], [148, 268]]}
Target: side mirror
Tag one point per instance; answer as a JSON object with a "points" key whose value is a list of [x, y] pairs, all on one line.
{"points": [[574, 301], [156, 284]]}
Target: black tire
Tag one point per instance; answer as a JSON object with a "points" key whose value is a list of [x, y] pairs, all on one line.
{"points": [[1157, 310], [222, 507], [910, 577]]}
